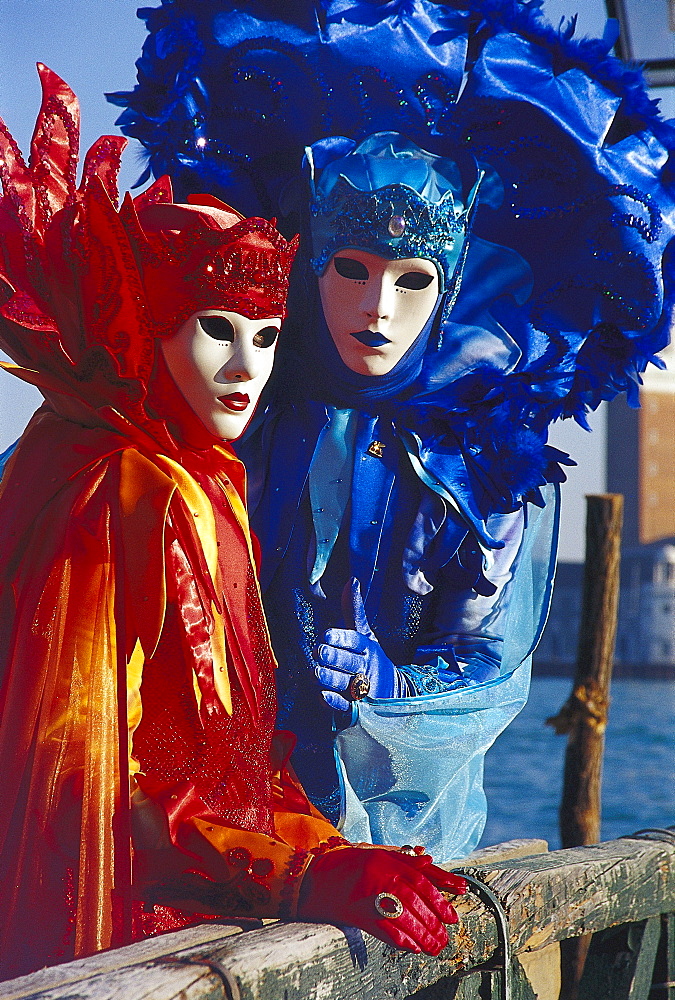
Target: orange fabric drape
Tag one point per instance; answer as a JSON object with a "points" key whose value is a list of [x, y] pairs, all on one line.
{"points": [[87, 517]]}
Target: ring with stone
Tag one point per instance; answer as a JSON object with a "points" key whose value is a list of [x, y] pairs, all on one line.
{"points": [[388, 905], [359, 686], [408, 849]]}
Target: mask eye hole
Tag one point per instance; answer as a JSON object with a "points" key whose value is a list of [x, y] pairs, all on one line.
{"points": [[415, 280], [217, 327], [347, 267], [265, 337]]}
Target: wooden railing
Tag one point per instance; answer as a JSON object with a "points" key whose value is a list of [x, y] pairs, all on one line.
{"points": [[623, 892]]}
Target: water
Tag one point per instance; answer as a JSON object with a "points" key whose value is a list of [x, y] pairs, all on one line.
{"points": [[523, 771]]}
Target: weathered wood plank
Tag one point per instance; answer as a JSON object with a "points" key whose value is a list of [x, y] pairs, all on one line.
{"points": [[506, 851], [547, 897], [664, 975], [550, 897], [481, 985], [543, 971], [521, 987], [620, 962], [467, 987], [646, 959], [146, 982], [281, 962], [66, 977], [292, 963]]}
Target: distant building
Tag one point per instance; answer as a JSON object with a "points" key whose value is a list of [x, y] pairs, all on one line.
{"points": [[641, 457], [645, 639], [557, 651], [646, 632]]}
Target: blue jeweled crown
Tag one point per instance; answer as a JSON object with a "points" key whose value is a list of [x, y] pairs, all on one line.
{"points": [[351, 207], [394, 222]]}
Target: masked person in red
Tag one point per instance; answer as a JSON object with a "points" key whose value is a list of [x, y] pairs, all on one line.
{"points": [[144, 787]]}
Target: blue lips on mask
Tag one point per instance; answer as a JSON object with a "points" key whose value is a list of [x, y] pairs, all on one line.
{"points": [[371, 338]]}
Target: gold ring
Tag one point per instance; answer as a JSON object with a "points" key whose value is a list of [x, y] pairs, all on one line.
{"points": [[394, 908], [359, 686]]}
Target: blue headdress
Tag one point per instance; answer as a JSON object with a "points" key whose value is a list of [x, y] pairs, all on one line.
{"points": [[387, 196], [230, 94], [391, 198]]}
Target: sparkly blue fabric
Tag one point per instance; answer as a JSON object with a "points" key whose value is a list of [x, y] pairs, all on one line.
{"points": [[354, 220]]}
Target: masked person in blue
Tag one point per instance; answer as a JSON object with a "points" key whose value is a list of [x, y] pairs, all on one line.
{"points": [[403, 602], [485, 208]]}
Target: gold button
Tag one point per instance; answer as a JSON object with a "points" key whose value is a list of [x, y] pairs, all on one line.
{"points": [[376, 449]]}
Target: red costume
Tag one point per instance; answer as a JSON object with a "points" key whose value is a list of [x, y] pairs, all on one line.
{"points": [[143, 785], [121, 543]]}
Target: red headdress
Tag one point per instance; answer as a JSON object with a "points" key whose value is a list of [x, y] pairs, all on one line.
{"points": [[206, 256], [85, 289]]}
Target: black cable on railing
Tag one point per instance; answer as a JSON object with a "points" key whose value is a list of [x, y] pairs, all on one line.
{"points": [[230, 984], [665, 835], [487, 896]]}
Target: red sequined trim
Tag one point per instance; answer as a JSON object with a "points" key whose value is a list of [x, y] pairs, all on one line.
{"points": [[239, 857], [295, 869], [329, 845], [262, 867]]}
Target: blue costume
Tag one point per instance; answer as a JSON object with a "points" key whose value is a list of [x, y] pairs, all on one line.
{"points": [[356, 477], [542, 191], [462, 648]]}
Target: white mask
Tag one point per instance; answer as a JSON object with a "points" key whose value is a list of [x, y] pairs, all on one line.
{"points": [[221, 362], [376, 308]]}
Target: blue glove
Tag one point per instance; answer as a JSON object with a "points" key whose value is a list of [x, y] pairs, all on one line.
{"points": [[348, 651]]}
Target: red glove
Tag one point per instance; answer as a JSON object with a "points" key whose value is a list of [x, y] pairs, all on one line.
{"points": [[342, 886]]}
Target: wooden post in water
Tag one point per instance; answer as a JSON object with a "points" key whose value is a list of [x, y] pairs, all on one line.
{"points": [[583, 717]]}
